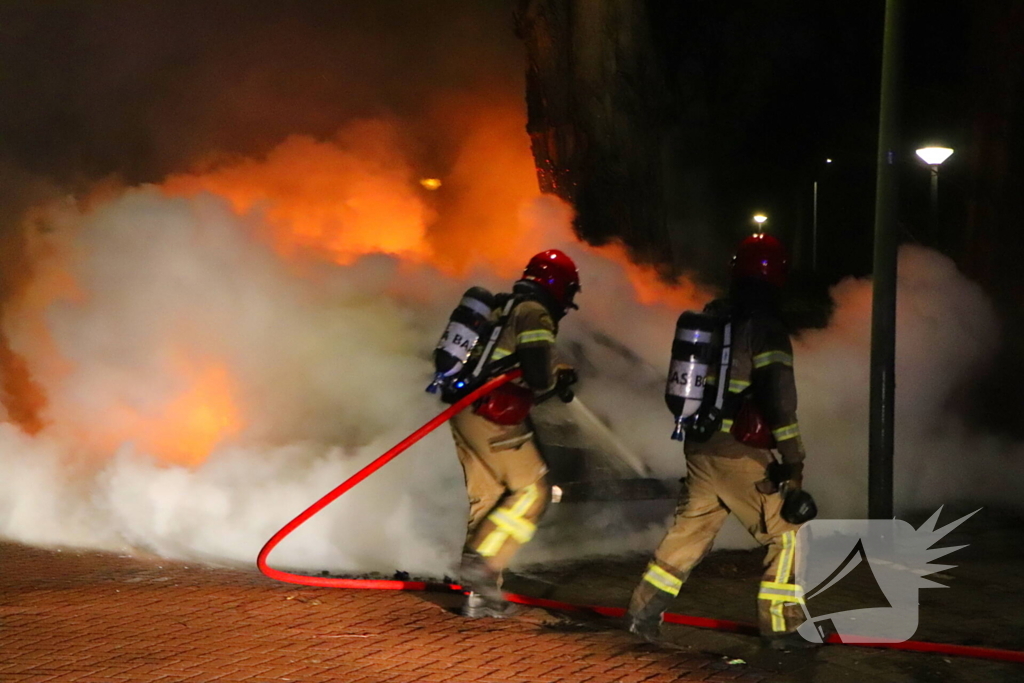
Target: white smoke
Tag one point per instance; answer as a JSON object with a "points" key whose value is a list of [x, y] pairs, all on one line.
{"points": [[947, 332], [327, 366]]}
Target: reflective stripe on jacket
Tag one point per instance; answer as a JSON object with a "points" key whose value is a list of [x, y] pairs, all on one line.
{"points": [[530, 328]]}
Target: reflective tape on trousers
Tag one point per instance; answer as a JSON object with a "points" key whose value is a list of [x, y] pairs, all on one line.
{"points": [[686, 379], [458, 340], [693, 336]]}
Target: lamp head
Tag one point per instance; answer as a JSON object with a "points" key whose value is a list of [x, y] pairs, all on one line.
{"points": [[934, 156]]}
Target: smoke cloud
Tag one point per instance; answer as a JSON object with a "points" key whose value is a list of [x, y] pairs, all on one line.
{"points": [[197, 348], [203, 389]]}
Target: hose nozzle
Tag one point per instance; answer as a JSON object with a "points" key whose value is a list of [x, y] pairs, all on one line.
{"points": [[678, 434]]}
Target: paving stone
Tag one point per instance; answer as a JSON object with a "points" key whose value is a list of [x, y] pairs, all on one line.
{"points": [[82, 617]]}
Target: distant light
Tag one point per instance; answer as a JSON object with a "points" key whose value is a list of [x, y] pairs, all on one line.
{"points": [[430, 183], [933, 156], [828, 161], [760, 219]]}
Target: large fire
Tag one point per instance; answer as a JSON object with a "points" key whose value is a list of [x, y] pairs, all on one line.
{"points": [[342, 198], [199, 412], [199, 418], [356, 194]]}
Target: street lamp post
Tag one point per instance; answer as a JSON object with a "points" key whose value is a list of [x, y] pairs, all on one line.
{"points": [[814, 231], [934, 156], [883, 301], [814, 227]]}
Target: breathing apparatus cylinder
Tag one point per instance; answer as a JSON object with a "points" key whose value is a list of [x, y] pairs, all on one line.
{"points": [[693, 353], [468, 322]]}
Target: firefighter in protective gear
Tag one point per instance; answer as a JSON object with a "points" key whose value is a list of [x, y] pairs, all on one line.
{"points": [[735, 470], [505, 473]]}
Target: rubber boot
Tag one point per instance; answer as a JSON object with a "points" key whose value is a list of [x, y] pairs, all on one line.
{"points": [[785, 642], [485, 598], [645, 616]]}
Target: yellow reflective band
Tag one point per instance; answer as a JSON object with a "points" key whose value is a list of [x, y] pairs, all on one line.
{"points": [[763, 360], [516, 527], [529, 497], [778, 620], [491, 545], [500, 353], [533, 336], [737, 386], [510, 521], [777, 595], [662, 580], [782, 600], [786, 557], [711, 381], [726, 425], [793, 588], [785, 433]]}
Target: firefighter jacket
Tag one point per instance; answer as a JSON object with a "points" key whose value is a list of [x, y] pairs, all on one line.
{"points": [[530, 334], [761, 372]]}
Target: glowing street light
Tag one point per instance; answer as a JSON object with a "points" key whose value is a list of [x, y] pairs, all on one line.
{"points": [[431, 183], [760, 219], [934, 156]]}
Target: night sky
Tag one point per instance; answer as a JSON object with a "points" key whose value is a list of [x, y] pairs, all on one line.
{"points": [[764, 93], [780, 87]]}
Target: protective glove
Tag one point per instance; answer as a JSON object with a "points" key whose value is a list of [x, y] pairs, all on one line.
{"points": [[791, 477], [782, 477], [792, 484], [565, 377]]}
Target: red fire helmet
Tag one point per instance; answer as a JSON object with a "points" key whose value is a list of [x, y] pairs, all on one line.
{"points": [[761, 257], [555, 272]]}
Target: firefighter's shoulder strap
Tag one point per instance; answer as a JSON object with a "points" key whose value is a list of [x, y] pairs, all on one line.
{"points": [[725, 364], [722, 310], [485, 358]]}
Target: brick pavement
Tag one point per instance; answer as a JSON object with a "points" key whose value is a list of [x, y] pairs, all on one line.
{"points": [[99, 618]]}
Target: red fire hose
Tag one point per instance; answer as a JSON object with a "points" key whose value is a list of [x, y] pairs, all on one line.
{"points": [[686, 620]]}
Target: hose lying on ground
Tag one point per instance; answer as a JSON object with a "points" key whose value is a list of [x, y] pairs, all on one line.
{"points": [[683, 619]]}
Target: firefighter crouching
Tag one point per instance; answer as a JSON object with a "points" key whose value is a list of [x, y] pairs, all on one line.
{"points": [[731, 468], [505, 473]]}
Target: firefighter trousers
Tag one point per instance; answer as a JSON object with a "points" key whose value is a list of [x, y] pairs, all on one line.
{"points": [[507, 486], [716, 485]]}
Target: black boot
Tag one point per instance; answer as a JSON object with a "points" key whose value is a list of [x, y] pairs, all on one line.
{"points": [[485, 599], [645, 618], [647, 627], [786, 642], [477, 607]]}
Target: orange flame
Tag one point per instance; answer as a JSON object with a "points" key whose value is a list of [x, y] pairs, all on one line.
{"points": [[358, 194], [185, 428], [197, 420], [651, 288], [341, 198]]}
